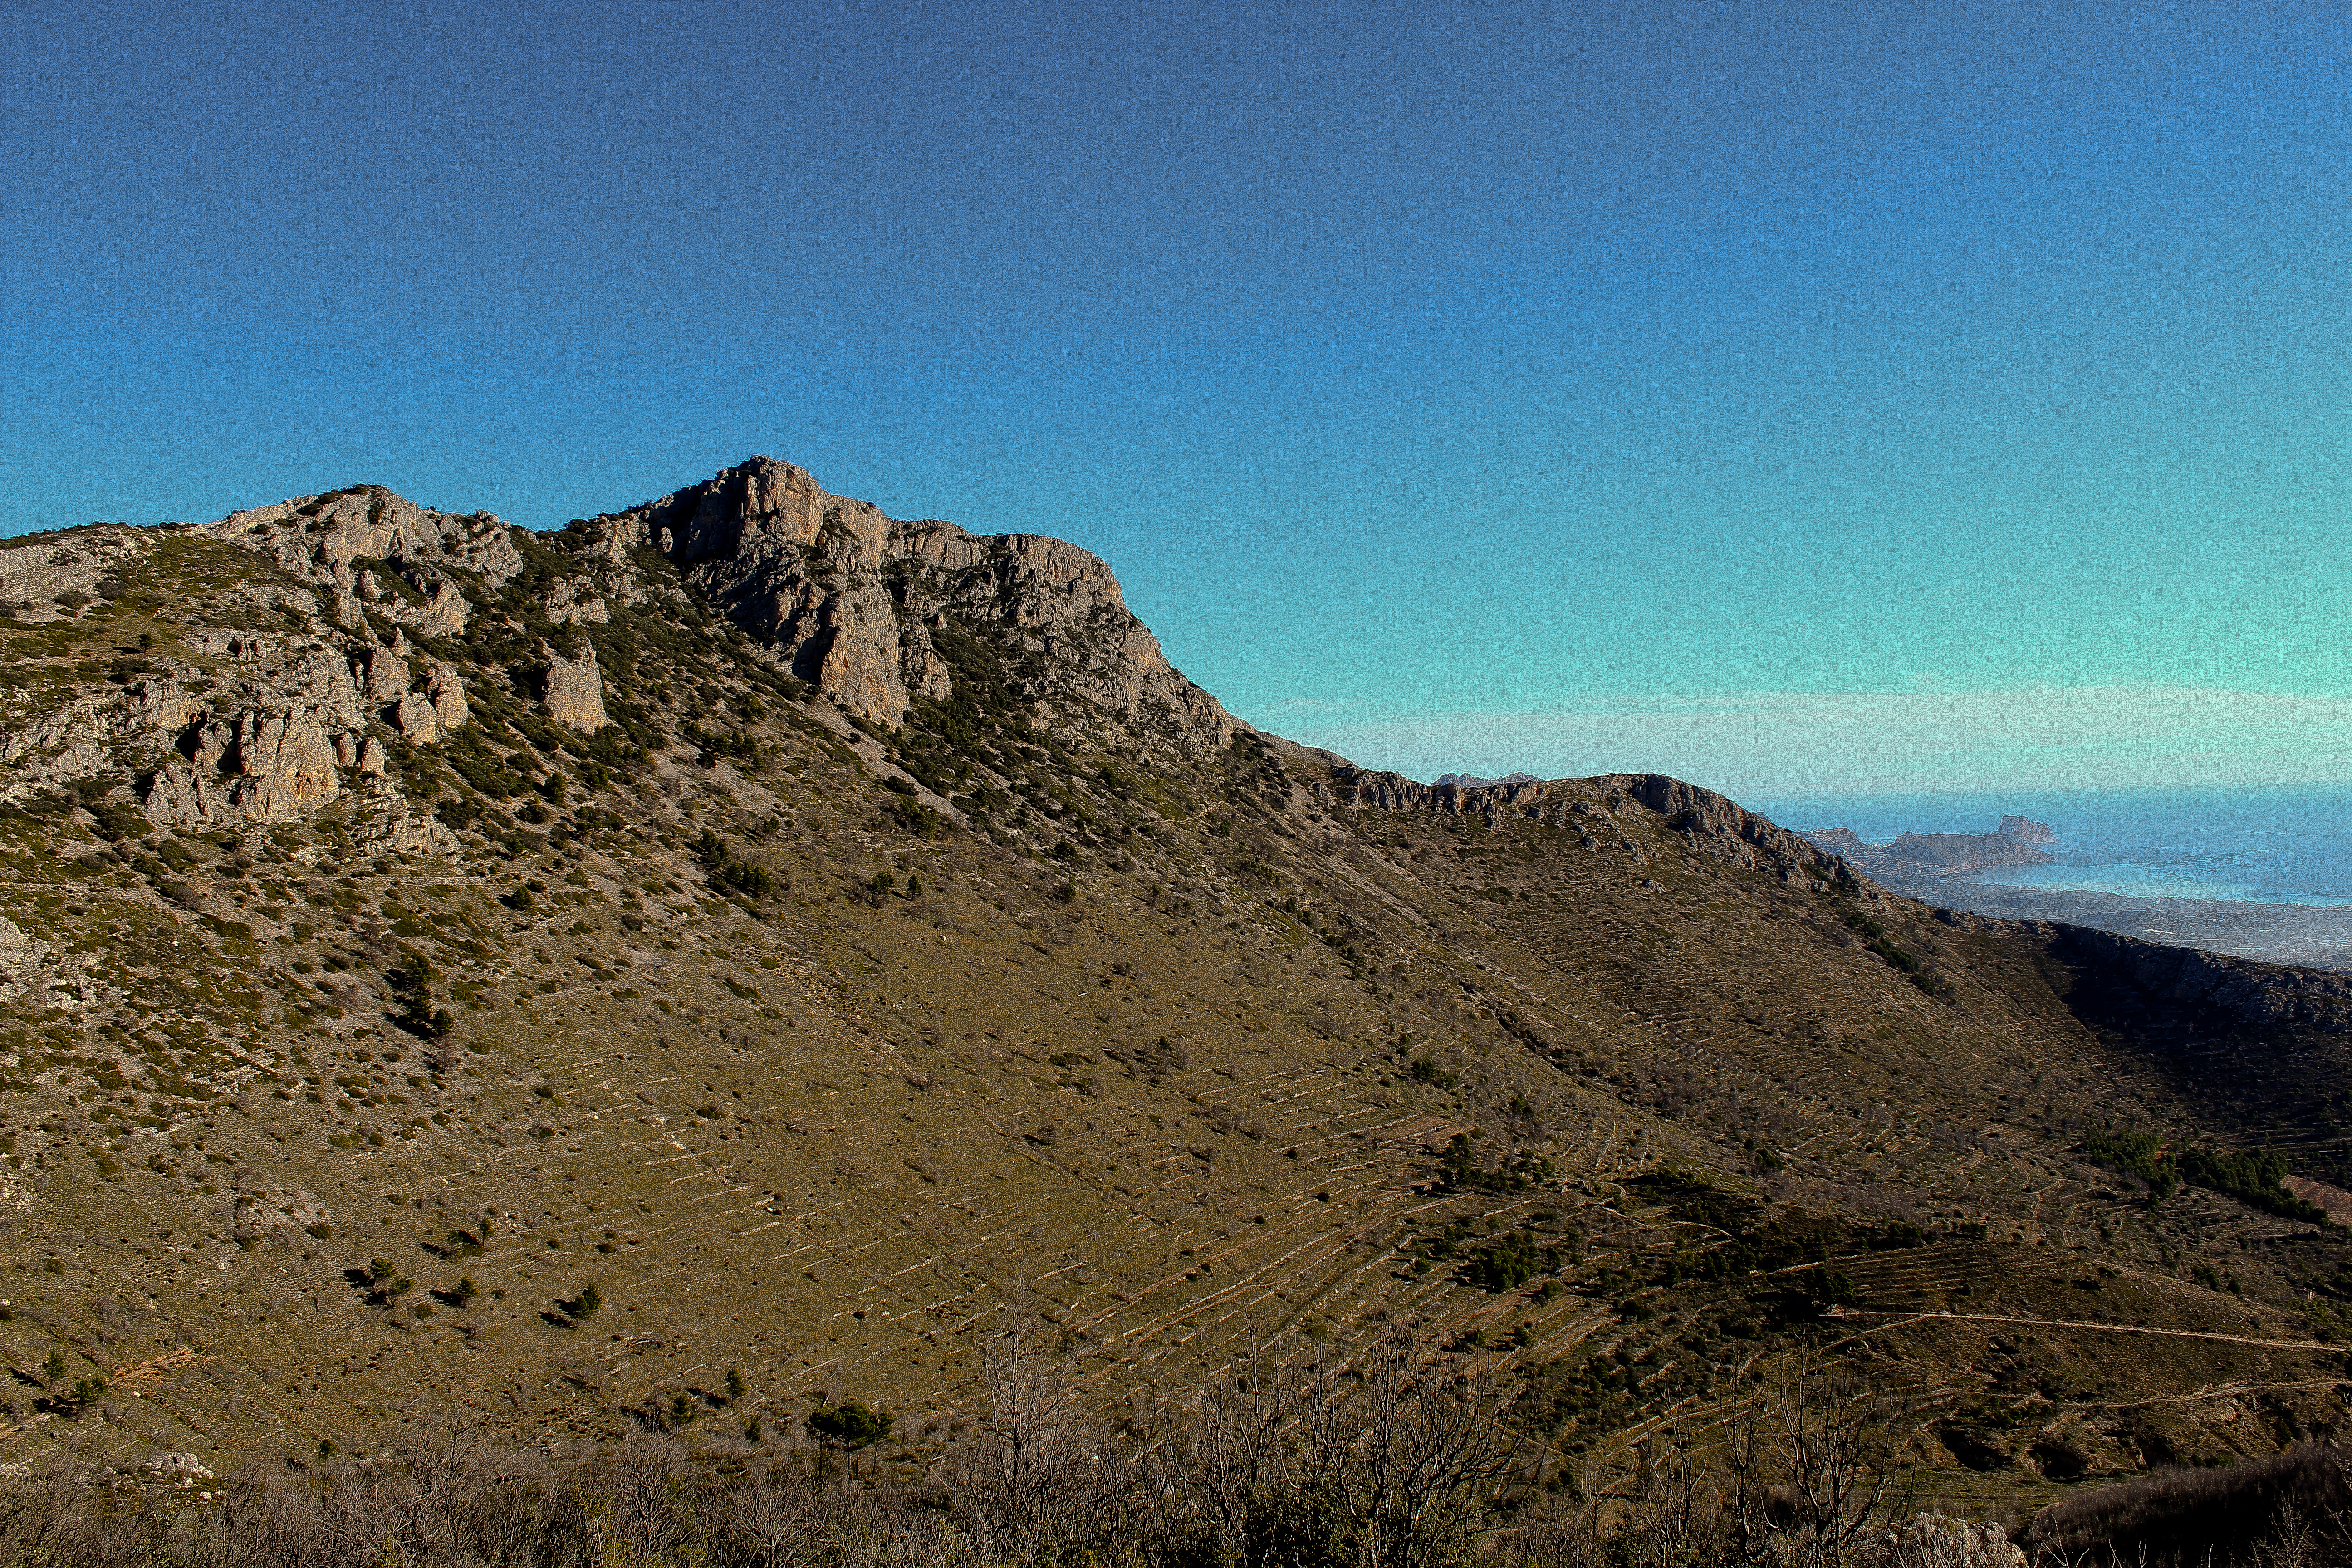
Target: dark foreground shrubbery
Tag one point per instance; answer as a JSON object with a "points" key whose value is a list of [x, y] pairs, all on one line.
{"points": [[1387, 1462], [2293, 1507]]}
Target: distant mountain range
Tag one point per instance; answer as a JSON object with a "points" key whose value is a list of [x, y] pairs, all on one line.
{"points": [[1472, 781]]}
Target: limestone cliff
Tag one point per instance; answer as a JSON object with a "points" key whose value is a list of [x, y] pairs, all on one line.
{"points": [[868, 610]]}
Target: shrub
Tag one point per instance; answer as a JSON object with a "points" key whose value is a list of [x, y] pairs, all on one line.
{"points": [[2182, 1516], [1507, 1264], [850, 1425]]}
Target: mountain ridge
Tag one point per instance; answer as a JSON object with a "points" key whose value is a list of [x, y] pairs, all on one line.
{"points": [[543, 912]]}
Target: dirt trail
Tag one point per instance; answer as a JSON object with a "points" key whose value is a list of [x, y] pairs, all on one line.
{"points": [[1902, 1319]]}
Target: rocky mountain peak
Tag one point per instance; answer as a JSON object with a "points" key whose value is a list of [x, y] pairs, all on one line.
{"points": [[879, 614], [755, 512]]}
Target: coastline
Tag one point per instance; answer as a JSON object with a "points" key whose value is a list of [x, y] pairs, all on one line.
{"points": [[2315, 936]]}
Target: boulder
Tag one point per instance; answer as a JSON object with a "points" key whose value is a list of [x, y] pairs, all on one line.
{"points": [[317, 537], [447, 691], [416, 720], [382, 675], [445, 616]]}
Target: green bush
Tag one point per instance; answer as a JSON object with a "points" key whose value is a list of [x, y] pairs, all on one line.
{"points": [[852, 1424]]}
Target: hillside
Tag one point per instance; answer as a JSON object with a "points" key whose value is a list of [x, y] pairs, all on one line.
{"points": [[747, 934]]}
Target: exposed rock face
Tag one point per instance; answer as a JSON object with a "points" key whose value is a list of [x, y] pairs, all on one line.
{"points": [[859, 605], [47, 580], [2025, 830], [416, 720], [793, 564], [572, 690], [265, 767], [385, 675], [1722, 826], [250, 726], [321, 538], [265, 742], [1090, 665], [2125, 981]]}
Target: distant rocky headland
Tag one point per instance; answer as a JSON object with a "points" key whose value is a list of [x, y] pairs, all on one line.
{"points": [[2025, 830], [1932, 868], [2012, 843]]}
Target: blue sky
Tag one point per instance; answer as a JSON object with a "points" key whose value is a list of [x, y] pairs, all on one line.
{"points": [[1800, 398]]}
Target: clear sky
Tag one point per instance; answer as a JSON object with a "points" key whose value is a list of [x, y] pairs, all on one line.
{"points": [[1795, 397]]}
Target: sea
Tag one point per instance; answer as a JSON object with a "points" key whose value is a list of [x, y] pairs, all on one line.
{"points": [[2272, 845]]}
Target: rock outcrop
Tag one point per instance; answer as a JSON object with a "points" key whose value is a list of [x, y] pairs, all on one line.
{"points": [[258, 767], [572, 690], [334, 539], [1474, 781], [2123, 980], [258, 725], [877, 614], [445, 690], [2025, 830], [1713, 824]]}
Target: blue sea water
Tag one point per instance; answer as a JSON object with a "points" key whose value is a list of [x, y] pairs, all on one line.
{"points": [[2273, 845]]}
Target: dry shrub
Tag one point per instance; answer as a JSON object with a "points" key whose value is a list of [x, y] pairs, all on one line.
{"points": [[2248, 1513]]}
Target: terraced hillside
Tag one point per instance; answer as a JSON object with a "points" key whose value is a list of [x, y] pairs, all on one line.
{"points": [[724, 956]]}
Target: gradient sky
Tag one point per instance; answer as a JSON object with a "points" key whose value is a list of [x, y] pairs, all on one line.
{"points": [[1800, 398]]}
